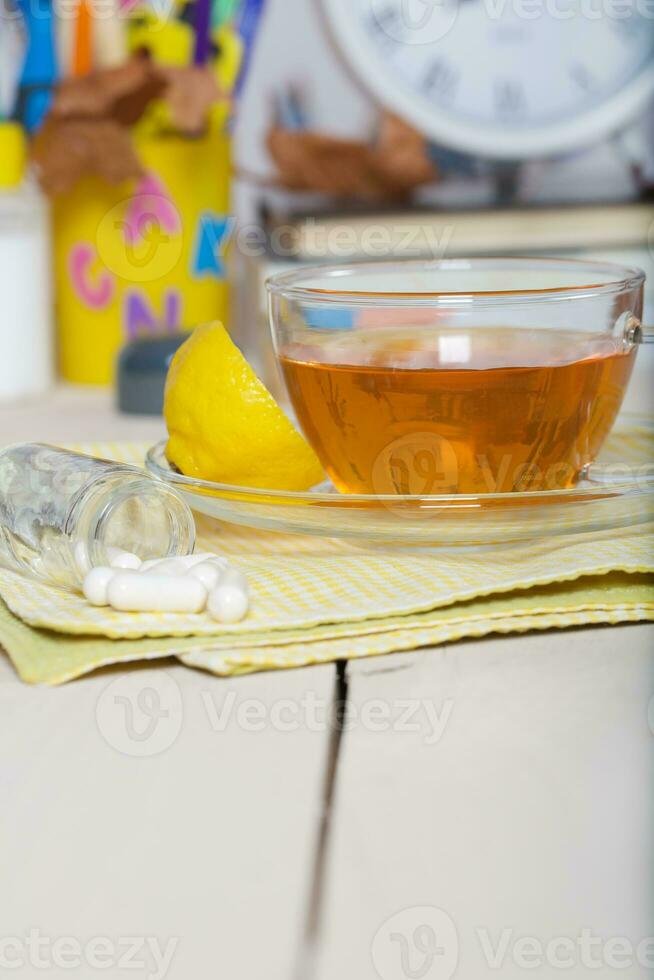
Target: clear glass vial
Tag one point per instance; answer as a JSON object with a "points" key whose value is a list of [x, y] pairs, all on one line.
{"points": [[62, 512]]}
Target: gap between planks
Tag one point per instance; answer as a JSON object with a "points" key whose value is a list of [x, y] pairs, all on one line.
{"points": [[306, 964]]}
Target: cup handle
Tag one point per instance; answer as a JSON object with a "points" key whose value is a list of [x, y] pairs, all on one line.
{"points": [[636, 332]]}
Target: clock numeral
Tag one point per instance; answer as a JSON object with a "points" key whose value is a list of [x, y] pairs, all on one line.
{"points": [[582, 76], [385, 25], [629, 28], [510, 99], [441, 79]]}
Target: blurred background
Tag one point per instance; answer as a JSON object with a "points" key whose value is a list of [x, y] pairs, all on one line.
{"points": [[159, 160]]}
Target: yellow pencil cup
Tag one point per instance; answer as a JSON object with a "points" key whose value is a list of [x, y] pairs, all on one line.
{"points": [[144, 258]]}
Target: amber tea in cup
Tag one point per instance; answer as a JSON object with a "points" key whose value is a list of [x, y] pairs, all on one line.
{"points": [[438, 378]]}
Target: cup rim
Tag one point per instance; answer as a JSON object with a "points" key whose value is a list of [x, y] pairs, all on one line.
{"points": [[292, 285]]}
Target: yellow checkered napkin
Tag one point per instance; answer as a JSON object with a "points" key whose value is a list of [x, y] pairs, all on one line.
{"points": [[45, 657], [317, 600]]}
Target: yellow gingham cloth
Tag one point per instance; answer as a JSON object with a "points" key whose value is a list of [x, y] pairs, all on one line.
{"points": [[316, 600]]}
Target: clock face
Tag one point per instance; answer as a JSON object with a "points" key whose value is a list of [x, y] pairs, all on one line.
{"points": [[504, 78]]}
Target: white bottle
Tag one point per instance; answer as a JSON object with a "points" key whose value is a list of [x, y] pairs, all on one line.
{"points": [[26, 321]]}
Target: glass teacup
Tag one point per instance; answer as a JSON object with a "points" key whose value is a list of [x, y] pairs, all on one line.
{"points": [[457, 376]]}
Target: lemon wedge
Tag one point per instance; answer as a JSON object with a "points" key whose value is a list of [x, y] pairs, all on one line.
{"points": [[225, 426]]}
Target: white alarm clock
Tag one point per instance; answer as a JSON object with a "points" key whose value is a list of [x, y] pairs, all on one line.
{"points": [[503, 79]]}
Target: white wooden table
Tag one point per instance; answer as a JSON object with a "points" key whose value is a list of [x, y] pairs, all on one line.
{"points": [[485, 811]]}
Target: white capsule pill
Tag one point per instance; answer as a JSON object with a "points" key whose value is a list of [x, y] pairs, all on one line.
{"points": [[133, 592], [123, 559], [184, 562], [199, 559], [96, 583], [207, 572], [228, 604], [147, 566], [164, 566], [234, 577]]}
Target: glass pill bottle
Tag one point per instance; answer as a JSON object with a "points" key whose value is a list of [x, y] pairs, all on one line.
{"points": [[62, 513]]}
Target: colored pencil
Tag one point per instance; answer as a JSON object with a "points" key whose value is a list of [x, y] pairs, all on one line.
{"points": [[40, 72], [110, 36], [82, 52], [223, 11], [202, 24], [248, 26]]}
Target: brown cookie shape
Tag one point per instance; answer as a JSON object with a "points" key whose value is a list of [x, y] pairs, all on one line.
{"points": [[388, 169], [190, 93], [66, 150], [87, 131]]}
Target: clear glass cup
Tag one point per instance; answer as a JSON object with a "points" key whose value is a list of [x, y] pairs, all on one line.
{"points": [[62, 512], [457, 376]]}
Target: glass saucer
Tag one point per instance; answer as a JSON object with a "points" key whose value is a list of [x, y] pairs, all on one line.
{"points": [[616, 492]]}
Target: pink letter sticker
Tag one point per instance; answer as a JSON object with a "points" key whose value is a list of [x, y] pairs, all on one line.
{"points": [[97, 291], [150, 205]]}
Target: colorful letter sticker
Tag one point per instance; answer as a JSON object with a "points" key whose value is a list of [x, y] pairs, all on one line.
{"points": [[150, 206], [211, 241], [139, 317], [96, 291]]}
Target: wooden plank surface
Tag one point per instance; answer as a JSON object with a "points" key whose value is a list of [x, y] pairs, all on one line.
{"points": [[158, 803], [71, 413], [166, 805], [520, 805], [511, 791]]}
